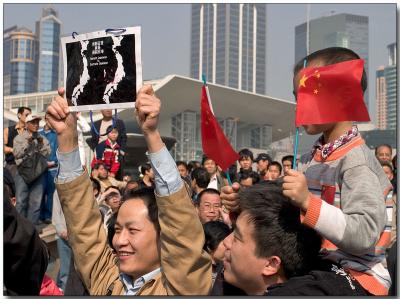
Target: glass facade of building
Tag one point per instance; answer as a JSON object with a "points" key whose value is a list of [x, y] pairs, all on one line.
{"points": [[186, 129], [391, 96], [20, 70], [386, 92], [228, 45], [7, 60], [340, 30], [48, 30], [381, 107]]}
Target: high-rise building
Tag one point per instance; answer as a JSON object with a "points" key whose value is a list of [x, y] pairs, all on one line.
{"points": [[338, 30], [19, 59], [7, 60], [381, 107], [386, 92], [228, 45], [48, 30], [392, 48]]}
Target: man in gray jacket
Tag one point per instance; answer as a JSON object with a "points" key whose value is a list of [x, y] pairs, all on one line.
{"points": [[29, 196]]}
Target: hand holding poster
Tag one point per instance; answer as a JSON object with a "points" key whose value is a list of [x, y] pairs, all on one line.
{"points": [[103, 69]]}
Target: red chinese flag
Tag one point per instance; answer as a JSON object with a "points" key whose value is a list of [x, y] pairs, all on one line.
{"points": [[215, 144], [331, 94]]}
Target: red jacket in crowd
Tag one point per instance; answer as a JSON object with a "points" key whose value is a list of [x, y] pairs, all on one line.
{"points": [[108, 154]]}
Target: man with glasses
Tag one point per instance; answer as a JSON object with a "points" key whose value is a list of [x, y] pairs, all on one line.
{"points": [[208, 205]]}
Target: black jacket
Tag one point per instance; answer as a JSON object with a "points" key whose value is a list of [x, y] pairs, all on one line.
{"points": [[25, 254], [122, 137], [328, 280]]}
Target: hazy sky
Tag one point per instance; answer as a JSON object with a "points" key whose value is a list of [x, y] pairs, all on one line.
{"points": [[166, 33]]}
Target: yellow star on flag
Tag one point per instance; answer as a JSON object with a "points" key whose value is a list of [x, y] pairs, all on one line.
{"points": [[315, 91], [303, 81]]}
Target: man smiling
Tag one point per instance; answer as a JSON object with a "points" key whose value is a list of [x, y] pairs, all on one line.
{"points": [[158, 241]]}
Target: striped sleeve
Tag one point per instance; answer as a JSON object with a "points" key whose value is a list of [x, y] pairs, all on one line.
{"points": [[326, 219], [357, 226]]}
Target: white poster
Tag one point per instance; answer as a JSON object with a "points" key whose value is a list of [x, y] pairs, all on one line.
{"points": [[102, 69]]}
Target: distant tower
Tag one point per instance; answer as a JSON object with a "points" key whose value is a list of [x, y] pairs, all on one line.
{"points": [[48, 30], [228, 45], [381, 107], [334, 30], [19, 61], [386, 92]]}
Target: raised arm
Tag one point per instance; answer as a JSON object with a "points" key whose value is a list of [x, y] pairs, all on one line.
{"points": [[185, 266], [94, 259]]}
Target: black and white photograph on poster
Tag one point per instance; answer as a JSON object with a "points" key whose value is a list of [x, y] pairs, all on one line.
{"points": [[102, 69]]}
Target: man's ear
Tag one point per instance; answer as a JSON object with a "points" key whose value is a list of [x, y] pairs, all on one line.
{"points": [[272, 265]]}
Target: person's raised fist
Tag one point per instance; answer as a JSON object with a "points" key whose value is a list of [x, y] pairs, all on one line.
{"points": [[63, 122], [230, 197]]}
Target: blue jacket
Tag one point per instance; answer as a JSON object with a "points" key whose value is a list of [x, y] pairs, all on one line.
{"points": [[51, 136]]}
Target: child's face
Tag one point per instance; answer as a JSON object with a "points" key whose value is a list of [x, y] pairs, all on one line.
{"points": [[113, 135]]}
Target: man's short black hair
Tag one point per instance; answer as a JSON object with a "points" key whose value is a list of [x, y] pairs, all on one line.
{"points": [[113, 187], [201, 176], [288, 158], [215, 232], [244, 153], [206, 191], [245, 174], [22, 109], [178, 163], [331, 56], [98, 165], [277, 164], [145, 167], [147, 195], [277, 229], [383, 145], [192, 165], [264, 157], [204, 159]]}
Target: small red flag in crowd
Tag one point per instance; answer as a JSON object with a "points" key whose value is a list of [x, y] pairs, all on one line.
{"points": [[331, 94], [215, 144]]}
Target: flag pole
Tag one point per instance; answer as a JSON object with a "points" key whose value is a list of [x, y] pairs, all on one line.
{"points": [[296, 138], [204, 79], [296, 145], [227, 171], [228, 177]]}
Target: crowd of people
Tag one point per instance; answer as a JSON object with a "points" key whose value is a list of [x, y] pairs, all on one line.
{"points": [[190, 228]]}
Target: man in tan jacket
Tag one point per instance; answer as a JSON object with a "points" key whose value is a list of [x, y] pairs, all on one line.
{"points": [[148, 259]]}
